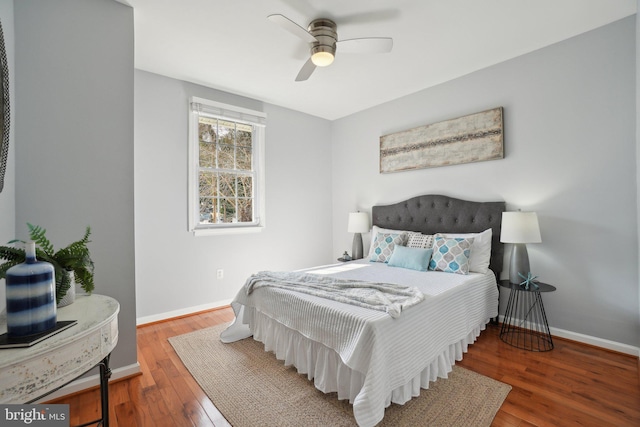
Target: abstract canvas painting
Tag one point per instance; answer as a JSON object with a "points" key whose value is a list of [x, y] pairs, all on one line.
{"points": [[473, 138]]}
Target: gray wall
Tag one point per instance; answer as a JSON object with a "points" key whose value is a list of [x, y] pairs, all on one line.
{"points": [[175, 271], [74, 138], [570, 144]]}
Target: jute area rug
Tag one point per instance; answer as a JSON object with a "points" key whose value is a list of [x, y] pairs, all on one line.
{"points": [[250, 387]]}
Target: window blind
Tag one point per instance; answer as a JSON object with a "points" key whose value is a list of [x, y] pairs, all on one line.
{"points": [[229, 112]]}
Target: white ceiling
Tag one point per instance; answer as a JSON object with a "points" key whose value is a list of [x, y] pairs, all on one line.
{"points": [[230, 45]]}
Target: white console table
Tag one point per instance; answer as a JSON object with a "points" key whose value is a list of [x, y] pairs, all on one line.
{"points": [[27, 374]]}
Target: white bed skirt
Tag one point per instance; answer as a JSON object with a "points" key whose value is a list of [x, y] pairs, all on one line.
{"points": [[324, 366]]}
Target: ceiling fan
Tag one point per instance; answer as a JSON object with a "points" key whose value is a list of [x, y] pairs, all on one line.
{"points": [[322, 37]]}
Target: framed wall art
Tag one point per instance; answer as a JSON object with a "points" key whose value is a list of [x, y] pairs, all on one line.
{"points": [[474, 138]]}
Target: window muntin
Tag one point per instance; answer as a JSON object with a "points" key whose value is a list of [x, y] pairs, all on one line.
{"points": [[226, 173], [227, 167]]}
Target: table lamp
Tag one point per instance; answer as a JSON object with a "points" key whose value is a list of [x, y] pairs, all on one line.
{"points": [[519, 228], [358, 223]]}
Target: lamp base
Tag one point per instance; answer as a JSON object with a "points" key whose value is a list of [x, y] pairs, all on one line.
{"points": [[519, 263], [356, 250]]}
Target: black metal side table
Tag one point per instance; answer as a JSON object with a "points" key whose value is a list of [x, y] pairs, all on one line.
{"points": [[525, 323]]}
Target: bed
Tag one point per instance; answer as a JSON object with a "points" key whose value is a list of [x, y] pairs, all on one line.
{"points": [[367, 355]]}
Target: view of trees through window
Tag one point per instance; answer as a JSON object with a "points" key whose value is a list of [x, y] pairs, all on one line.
{"points": [[226, 171]]}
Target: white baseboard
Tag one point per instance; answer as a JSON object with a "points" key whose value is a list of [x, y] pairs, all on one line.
{"points": [[94, 380], [594, 341], [182, 312]]}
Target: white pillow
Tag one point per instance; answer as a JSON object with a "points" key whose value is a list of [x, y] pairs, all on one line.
{"points": [[480, 250]]}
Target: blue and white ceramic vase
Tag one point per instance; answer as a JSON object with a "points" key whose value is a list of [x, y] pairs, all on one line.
{"points": [[31, 296]]}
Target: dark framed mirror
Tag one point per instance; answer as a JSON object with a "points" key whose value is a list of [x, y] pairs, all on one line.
{"points": [[5, 112]]}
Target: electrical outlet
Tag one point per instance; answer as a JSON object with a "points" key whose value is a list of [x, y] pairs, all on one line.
{"points": [[220, 273]]}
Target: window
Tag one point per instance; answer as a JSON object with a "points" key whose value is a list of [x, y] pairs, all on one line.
{"points": [[226, 168]]}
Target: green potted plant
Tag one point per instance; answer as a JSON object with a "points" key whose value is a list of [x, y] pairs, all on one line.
{"points": [[73, 258]]}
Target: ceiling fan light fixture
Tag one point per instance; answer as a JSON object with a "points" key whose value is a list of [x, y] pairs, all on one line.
{"points": [[322, 58], [322, 37], [323, 50]]}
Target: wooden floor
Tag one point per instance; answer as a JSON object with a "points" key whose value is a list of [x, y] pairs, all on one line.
{"points": [[572, 385]]}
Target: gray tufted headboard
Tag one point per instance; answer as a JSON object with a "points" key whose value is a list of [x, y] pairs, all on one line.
{"points": [[432, 214]]}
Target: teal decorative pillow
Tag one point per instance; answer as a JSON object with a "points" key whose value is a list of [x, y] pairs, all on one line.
{"points": [[451, 255], [383, 245], [412, 258]]}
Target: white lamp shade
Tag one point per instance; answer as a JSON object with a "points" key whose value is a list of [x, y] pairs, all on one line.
{"points": [[358, 222], [520, 227]]}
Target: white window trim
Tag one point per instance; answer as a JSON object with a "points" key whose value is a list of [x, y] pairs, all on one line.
{"points": [[199, 106]]}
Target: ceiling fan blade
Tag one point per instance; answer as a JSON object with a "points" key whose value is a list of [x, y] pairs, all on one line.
{"points": [[292, 27], [305, 72], [365, 45], [368, 17]]}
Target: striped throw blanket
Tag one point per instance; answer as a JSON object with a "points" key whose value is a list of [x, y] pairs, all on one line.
{"points": [[391, 299]]}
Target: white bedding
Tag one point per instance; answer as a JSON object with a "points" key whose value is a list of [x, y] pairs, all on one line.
{"points": [[365, 355]]}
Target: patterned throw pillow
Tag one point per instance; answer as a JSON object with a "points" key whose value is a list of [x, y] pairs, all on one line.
{"points": [[374, 232], [451, 255], [480, 257], [419, 240], [383, 246]]}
